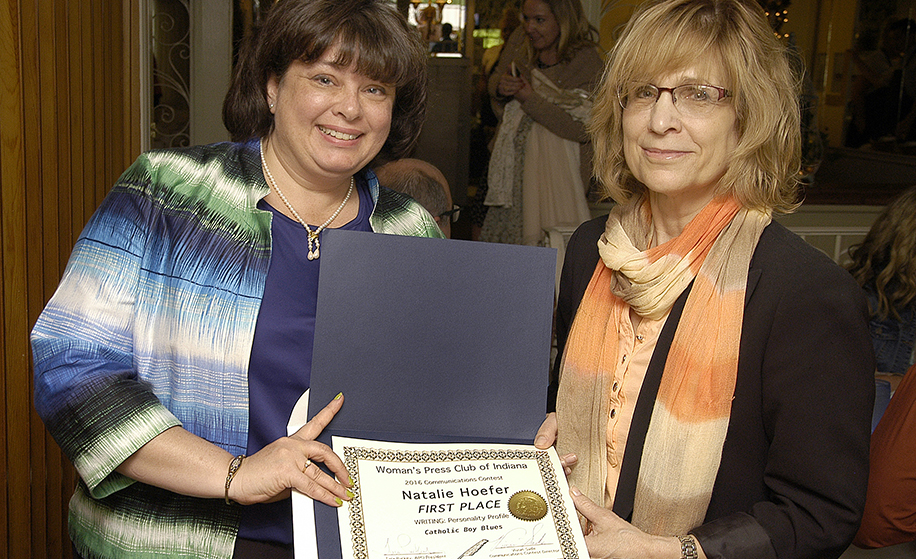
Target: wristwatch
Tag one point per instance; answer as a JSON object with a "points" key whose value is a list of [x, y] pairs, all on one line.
{"points": [[688, 547]]}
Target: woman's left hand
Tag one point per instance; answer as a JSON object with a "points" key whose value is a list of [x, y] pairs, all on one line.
{"points": [[610, 537]]}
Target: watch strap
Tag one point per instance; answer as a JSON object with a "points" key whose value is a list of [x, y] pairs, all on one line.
{"points": [[688, 547]]}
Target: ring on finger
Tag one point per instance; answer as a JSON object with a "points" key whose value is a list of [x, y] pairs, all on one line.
{"points": [[307, 464]]}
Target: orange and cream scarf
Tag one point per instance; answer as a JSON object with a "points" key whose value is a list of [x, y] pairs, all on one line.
{"points": [[683, 445]]}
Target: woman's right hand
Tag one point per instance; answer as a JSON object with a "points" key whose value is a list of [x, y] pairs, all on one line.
{"points": [[287, 463], [513, 86], [179, 461], [547, 436]]}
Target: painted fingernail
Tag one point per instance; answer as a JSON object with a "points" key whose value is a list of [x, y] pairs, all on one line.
{"points": [[338, 501], [350, 494], [339, 396]]}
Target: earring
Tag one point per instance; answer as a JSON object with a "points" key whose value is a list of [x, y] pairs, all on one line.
{"points": [[271, 106]]}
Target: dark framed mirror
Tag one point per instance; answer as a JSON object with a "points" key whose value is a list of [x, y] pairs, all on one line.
{"points": [[860, 60]]}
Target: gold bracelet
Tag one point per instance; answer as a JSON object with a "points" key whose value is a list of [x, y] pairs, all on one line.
{"points": [[233, 468]]}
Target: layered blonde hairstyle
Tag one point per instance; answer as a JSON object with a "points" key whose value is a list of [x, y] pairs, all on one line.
{"points": [[666, 36], [575, 30]]}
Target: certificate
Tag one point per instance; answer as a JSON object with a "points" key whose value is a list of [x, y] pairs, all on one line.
{"points": [[431, 341], [448, 501]]}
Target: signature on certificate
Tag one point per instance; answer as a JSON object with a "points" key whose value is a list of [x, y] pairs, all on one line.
{"points": [[521, 537], [402, 544]]}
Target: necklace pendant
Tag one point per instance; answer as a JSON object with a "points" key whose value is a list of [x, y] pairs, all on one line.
{"points": [[313, 252]]}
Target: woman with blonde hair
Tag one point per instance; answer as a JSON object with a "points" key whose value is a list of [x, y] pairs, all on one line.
{"points": [[714, 390], [540, 167]]}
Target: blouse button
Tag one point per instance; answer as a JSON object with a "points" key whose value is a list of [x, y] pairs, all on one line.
{"points": [[613, 413]]}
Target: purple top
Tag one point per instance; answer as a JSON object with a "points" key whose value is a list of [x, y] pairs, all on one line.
{"points": [[281, 355]]}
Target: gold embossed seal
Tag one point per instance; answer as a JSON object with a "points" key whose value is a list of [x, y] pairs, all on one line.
{"points": [[527, 505]]}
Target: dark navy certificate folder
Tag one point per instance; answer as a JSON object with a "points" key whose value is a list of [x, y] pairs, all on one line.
{"points": [[430, 340]]}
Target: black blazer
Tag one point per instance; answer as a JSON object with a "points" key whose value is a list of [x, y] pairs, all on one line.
{"points": [[794, 467]]}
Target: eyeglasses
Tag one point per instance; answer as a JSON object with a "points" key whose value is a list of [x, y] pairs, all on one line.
{"points": [[451, 214], [694, 100]]}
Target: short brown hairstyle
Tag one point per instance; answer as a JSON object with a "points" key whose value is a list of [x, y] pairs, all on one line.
{"points": [[370, 33], [668, 35]]}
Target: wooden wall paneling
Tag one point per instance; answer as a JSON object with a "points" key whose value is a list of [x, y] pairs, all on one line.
{"points": [[21, 457], [115, 92], [50, 106], [100, 45], [43, 160], [69, 192], [87, 108], [132, 87], [11, 181], [37, 108], [17, 403], [76, 148], [68, 128], [63, 42]]}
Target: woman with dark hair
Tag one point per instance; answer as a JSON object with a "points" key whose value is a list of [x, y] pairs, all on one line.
{"points": [[885, 266], [366, 35], [169, 359], [714, 391]]}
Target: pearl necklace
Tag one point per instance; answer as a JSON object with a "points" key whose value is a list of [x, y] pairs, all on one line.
{"points": [[313, 254]]}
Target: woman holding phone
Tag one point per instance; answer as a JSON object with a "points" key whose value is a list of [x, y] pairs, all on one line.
{"points": [[540, 166]]}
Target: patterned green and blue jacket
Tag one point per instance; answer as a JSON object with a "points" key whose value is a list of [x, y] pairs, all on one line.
{"points": [[152, 326]]}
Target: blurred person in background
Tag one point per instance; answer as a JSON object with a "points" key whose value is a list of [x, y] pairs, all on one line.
{"points": [[540, 166]]}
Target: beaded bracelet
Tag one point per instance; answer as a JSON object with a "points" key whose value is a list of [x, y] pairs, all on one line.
{"points": [[233, 467]]}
